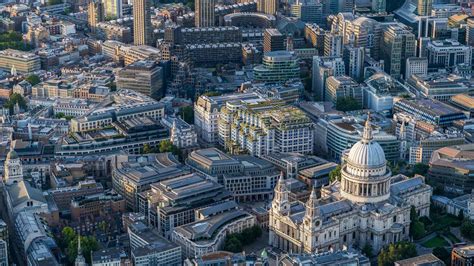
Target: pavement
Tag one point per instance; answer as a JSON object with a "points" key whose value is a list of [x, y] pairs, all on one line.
{"points": [[258, 245]]}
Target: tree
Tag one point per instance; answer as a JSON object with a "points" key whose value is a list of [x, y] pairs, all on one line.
{"points": [[187, 113], [442, 254], [395, 252], [33, 79], [461, 215], [467, 229], [335, 174], [367, 250], [68, 234], [88, 245], [54, 2], [13, 100], [147, 149], [420, 169], [417, 228], [166, 146], [233, 244], [346, 104]]}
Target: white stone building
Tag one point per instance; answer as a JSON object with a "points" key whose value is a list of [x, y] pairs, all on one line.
{"points": [[368, 206]]}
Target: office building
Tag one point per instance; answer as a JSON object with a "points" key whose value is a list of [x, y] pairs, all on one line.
{"points": [[462, 255], [332, 44], [22, 62], [204, 13], [208, 233], [149, 248], [133, 178], [344, 132], [363, 32], [422, 150], [308, 11], [464, 102], [470, 31], [342, 87], [173, 202], [269, 7], [277, 66], [145, 77], [333, 221], [273, 40], [424, 7], [398, 45], [248, 178], [207, 113], [379, 6], [142, 28], [324, 67], [115, 256], [4, 252], [119, 106], [381, 90], [450, 168], [416, 66], [429, 110], [448, 54], [439, 86], [332, 258], [354, 61], [95, 14], [265, 128], [426, 259], [113, 9]]}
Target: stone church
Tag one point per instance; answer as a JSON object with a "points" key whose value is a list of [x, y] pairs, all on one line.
{"points": [[368, 206]]}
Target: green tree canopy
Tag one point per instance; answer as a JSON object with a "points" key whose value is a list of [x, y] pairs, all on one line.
{"points": [[442, 254], [33, 79], [420, 169], [395, 252], [13, 100], [335, 174], [346, 104], [187, 113], [88, 245]]}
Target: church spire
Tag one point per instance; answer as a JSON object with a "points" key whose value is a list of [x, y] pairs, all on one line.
{"points": [[80, 260], [367, 136]]}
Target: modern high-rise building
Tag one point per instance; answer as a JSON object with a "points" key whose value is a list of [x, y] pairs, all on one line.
{"points": [[416, 66], [95, 14], [142, 76], [268, 6], [470, 31], [308, 11], [399, 43], [278, 66], [342, 87], [354, 61], [273, 40], [142, 28], [205, 13], [332, 44], [324, 67], [363, 32], [424, 7], [379, 5], [448, 54], [113, 9]]}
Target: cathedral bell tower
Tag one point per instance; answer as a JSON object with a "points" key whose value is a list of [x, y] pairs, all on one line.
{"points": [[280, 203], [311, 222], [13, 170]]}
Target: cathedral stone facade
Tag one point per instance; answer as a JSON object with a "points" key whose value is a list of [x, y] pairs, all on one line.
{"points": [[368, 206]]}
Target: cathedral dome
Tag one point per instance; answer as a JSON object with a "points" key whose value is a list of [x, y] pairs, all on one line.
{"points": [[12, 155], [366, 152]]}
